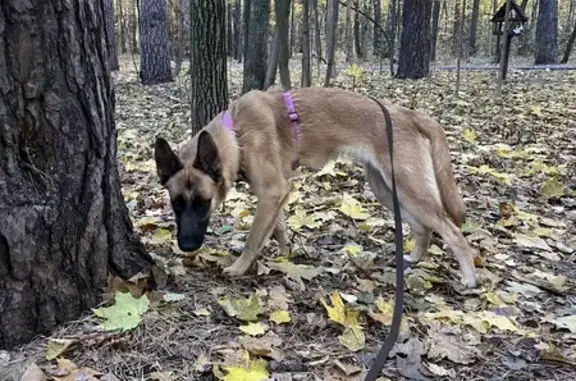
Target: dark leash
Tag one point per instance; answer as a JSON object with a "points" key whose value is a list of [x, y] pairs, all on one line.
{"points": [[398, 241]]}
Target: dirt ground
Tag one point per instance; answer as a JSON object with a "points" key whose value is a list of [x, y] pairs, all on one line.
{"points": [[514, 157]]}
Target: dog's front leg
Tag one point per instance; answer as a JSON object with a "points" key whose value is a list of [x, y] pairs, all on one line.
{"points": [[270, 203], [280, 234]]}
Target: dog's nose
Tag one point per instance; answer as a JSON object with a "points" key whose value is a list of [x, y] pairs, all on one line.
{"points": [[189, 244]]}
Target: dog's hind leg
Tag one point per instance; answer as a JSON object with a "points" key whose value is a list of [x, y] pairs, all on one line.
{"points": [[272, 194], [384, 194], [280, 234]]}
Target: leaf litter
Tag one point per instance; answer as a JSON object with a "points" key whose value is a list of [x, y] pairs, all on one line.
{"points": [[325, 308]]}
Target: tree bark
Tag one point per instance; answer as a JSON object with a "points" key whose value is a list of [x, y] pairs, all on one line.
{"points": [[569, 46], [415, 45], [348, 27], [272, 61], [434, 30], [63, 221], [155, 58], [111, 33], [306, 70], [377, 31], [255, 50], [182, 35], [134, 28], [208, 71], [123, 33], [456, 27], [332, 25], [237, 30], [357, 39], [282, 10], [474, 26], [547, 33], [317, 37], [229, 30]]}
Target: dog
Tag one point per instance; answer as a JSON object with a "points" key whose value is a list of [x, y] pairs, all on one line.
{"points": [[265, 135]]}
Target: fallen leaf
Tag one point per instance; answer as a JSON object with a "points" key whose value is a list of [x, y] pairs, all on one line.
{"points": [[353, 338], [352, 208], [566, 322], [552, 188], [296, 272], [281, 316], [254, 329], [446, 342], [57, 347], [246, 309], [251, 370], [125, 314], [162, 376]]}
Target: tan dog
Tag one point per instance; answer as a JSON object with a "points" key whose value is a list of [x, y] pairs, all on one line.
{"points": [[256, 140]]}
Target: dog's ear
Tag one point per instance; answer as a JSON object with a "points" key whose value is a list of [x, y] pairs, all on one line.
{"points": [[167, 162], [207, 158]]}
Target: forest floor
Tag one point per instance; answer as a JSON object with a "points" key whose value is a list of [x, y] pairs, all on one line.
{"points": [[321, 313]]}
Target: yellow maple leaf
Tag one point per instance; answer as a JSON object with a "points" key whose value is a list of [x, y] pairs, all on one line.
{"points": [[280, 316], [469, 134], [251, 370], [352, 208], [338, 313], [254, 329]]}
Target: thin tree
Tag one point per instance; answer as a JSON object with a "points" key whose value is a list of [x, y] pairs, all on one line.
{"points": [[64, 226], [434, 30], [414, 59], [357, 37], [460, 46], [331, 25], [547, 33], [155, 58], [317, 37], [456, 27], [569, 46], [255, 49], [306, 70], [237, 30], [377, 31], [348, 28], [208, 71], [502, 71], [280, 52], [111, 33], [123, 32]]}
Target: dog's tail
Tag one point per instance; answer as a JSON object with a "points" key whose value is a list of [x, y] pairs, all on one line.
{"points": [[451, 198]]}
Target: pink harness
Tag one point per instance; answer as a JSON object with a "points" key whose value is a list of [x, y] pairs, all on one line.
{"points": [[289, 102]]}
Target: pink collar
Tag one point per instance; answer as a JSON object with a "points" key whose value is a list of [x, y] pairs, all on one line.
{"points": [[289, 102]]}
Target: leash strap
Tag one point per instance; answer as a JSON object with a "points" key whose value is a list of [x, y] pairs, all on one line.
{"points": [[398, 240], [293, 115]]}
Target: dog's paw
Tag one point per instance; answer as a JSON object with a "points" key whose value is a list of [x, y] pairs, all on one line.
{"points": [[470, 282], [238, 268]]}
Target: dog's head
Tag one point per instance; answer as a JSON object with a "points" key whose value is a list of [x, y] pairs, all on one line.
{"points": [[193, 187]]}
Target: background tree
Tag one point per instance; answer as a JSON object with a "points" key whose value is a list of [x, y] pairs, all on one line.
{"points": [[434, 29], [414, 59], [569, 46], [473, 25], [122, 23], [377, 31], [208, 69], [306, 71], [155, 55], [547, 33], [63, 221], [331, 36], [348, 28], [110, 33], [255, 51]]}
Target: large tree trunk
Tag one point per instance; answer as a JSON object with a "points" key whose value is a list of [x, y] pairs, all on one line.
{"points": [[357, 39], [123, 33], [183, 33], [255, 50], [111, 33], [434, 30], [415, 45], [569, 46], [63, 222], [317, 31], [332, 25], [547, 33], [208, 73], [474, 26], [229, 30], [456, 27], [282, 10], [272, 61], [306, 71], [134, 28], [155, 57]]}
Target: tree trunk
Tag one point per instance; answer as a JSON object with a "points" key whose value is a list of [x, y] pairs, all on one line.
{"points": [[547, 33], [123, 33], [272, 61], [357, 39], [317, 36], [348, 26], [434, 30], [292, 32], [282, 10], [306, 70], [63, 221], [229, 30], [255, 50], [377, 32], [111, 33], [332, 25], [415, 45], [237, 30], [155, 57], [456, 27], [474, 26], [134, 29], [208, 71], [569, 46], [182, 34]]}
